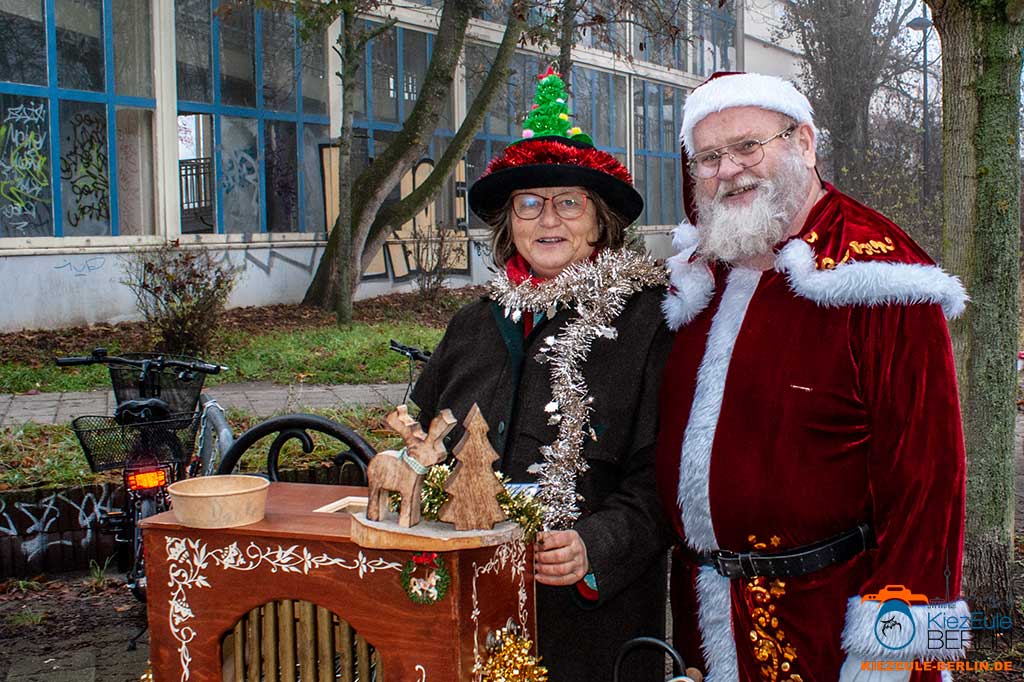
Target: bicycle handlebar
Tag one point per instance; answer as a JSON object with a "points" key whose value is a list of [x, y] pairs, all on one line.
{"points": [[410, 352], [99, 356]]}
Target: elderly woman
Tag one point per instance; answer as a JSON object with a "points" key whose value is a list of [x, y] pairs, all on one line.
{"points": [[564, 359]]}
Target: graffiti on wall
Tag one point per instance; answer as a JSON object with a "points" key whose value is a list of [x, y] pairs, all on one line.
{"points": [[39, 525], [83, 164], [241, 182], [24, 170]]}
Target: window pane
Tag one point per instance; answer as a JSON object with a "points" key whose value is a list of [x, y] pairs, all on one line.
{"points": [[385, 96], [673, 190], [23, 43], [25, 192], [282, 159], [640, 182], [133, 48], [79, 44], [135, 171], [582, 109], [670, 126], [621, 104], [195, 173], [192, 44], [314, 76], [84, 169], [279, 60], [312, 177], [654, 213], [414, 60], [639, 115], [605, 109], [240, 175], [237, 57]]}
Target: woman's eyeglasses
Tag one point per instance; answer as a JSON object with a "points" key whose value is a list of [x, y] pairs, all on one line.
{"points": [[745, 154], [567, 205]]}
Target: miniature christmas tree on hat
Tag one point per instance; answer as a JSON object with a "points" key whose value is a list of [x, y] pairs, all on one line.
{"points": [[550, 114]]}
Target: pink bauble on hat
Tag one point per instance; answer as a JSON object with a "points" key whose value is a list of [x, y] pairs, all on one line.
{"points": [[725, 90]]}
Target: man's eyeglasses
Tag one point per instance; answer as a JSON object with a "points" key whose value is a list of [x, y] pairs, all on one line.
{"points": [[567, 205], [745, 154]]}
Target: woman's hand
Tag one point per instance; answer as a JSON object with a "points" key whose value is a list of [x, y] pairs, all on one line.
{"points": [[560, 558]]}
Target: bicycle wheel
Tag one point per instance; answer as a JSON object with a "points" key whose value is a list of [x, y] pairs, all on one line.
{"points": [[148, 506], [295, 426]]}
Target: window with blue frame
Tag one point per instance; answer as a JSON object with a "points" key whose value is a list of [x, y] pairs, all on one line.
{"points": [[252, 116], [599, 106], [76, 118], [503, 121], [657, 117], [713, 38], [389, 85]]}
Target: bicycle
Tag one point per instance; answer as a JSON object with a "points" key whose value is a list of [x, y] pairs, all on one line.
{"points": [[151, 438]]}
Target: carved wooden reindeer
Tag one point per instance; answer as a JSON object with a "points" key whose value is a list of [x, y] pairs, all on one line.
{"points": [[403, 471]]}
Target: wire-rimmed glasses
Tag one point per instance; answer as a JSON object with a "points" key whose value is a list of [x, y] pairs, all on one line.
{"points": [[745, 154]]}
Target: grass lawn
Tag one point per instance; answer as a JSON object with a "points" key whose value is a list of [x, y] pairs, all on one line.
{"points": [[34, 455], [283, 344]]}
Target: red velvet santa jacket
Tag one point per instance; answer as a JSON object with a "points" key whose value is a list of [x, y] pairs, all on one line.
{"points": [[796, 404]]}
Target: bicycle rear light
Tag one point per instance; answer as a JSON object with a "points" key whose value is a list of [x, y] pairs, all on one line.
{"points": [[147, 479]]}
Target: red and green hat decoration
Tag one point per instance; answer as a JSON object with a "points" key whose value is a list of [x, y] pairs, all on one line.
{"points": [[553, 153], [550, 114]]}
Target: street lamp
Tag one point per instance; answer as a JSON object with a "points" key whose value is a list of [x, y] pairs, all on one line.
{"points": [[922, 24]]}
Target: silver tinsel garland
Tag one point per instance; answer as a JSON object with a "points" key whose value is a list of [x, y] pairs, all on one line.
{"points": [[598, 290]]}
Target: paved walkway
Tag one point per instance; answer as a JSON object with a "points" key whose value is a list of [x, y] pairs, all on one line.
{"points": [[260, 398]]}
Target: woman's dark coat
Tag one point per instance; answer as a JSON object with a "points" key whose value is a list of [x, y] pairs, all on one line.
{"points": [[484, 358]]}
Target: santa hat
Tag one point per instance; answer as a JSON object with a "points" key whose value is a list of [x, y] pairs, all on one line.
{"points": [[728, 89], [554, 153], [725, 90]]}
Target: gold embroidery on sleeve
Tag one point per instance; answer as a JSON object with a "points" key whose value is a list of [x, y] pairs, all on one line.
{"points": [[871, 247]]}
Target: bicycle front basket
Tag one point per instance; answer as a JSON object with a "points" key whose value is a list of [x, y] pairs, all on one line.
{"points": [[180, 395], [109, 445]]}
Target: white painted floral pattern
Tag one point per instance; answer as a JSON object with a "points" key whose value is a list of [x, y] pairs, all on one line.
{"points": [[190, 559], [513, 553]]}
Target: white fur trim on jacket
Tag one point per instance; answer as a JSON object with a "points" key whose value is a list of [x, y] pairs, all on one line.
{"points": [[713, 591], [938, 630], [714, 614], [692, 283], [743, 90], [869, 283]]}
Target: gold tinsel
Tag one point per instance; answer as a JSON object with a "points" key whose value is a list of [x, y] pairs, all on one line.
{"points": [[510, 660], [598, 291]]}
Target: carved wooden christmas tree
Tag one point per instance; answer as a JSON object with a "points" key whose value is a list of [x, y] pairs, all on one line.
{"points": [[472, 486]]}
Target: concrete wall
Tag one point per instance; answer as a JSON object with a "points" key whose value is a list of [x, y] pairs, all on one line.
{"points": [[46, 291]]}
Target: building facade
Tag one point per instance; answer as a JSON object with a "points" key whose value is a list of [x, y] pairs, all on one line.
{"points": [[127, 123]]}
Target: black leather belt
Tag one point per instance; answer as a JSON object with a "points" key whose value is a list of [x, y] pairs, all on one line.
{"points": [[792, 562]]}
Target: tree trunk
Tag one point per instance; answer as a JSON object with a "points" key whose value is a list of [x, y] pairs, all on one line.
{"points": [[333, 283], [567, 36], [981, 173]]}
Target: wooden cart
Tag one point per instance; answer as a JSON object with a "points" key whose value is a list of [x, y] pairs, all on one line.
{"points": [[202, 583]]}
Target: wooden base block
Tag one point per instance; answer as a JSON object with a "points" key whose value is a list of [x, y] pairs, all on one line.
{"points": [[428, 536]]}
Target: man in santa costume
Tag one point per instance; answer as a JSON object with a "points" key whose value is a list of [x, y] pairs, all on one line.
{"points": [[810, 455]]}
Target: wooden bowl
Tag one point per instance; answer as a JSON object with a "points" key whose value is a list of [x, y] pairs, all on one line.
{"points": [[219, 501]]}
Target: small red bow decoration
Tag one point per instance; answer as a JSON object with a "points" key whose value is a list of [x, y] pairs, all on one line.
{"points": [[425, 559], [550, 72]]}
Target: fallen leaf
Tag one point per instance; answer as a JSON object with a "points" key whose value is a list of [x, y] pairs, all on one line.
{"points": [[122, 609]]}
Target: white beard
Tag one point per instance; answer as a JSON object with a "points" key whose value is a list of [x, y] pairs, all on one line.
{"points": [[732, 234]]}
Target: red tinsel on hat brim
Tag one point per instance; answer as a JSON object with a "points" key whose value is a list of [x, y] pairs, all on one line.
{"points": [[529, 153]]}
